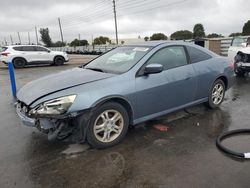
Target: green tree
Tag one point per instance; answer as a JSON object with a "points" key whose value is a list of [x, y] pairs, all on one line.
{"points": [[158, 36], [235, 34], [59, 44], [246, 28], [198, 31], [214, 35], [77, 42], [181, 35], [146, 38], [101, 40], [45, 37]]}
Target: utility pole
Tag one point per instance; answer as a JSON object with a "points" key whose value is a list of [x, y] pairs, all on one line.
{"points": [[19, 38], [29, 37], [11, 40], [116, 33], [36, 35], [59, 21], [5, 41], [79, 36]]}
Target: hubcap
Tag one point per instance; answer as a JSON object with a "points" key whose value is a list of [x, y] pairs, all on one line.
{"points": [[19, 63], [108, 125], [217, 93]]}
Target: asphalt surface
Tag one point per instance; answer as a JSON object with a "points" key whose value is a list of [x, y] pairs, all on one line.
{"points": [[182, 155]]}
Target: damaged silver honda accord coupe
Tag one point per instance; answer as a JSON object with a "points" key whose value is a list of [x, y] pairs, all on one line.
{"points": [[125, 86]]}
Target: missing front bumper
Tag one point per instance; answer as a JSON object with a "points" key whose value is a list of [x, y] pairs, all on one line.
{"points": [[25, 120]]}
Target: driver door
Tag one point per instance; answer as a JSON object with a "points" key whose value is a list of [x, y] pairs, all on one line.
{"points": [[43, 55], [173, 87]]}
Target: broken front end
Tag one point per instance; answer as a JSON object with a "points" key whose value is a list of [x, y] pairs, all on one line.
{"points": [[242, 63], [50, 118]]}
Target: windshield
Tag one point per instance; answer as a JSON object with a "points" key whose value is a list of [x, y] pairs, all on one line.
{"points": [[118, 60], [237, 41]]}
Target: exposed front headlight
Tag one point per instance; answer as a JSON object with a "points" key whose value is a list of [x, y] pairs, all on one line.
{"points": [[54, 107]]}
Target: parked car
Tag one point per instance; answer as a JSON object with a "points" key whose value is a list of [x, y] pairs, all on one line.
{"points": [[22, 55], [239, 53], [125, 86]]}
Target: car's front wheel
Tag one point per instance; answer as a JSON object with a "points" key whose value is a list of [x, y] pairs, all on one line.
{"points": [[239, 72], [216, 94], [58, 60], [108, 125]]}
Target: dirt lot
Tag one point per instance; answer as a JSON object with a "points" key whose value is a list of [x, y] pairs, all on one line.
{"points": [[184, 155]]}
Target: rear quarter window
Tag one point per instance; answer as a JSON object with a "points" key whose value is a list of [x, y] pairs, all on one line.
{"points": [[197, 55], [2, 49]]}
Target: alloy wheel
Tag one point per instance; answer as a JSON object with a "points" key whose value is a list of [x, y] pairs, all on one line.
{"points": [[218, 93], [108, 126]]}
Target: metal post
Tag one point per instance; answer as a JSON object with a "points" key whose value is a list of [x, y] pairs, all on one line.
{"points": [[5, 41], [59, 21], [116, 33], [29, 37], [36, 35], [19, 38], [12, 78], [11, 39]]}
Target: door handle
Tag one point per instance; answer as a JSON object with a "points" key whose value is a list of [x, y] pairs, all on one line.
{"points": [[189, 77]]}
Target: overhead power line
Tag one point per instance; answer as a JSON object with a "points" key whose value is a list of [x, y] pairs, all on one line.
{"points": [[100, 11]]}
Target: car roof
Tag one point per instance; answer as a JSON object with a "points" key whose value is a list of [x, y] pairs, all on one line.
{"points": [[171, 42], [17, 45], [156, 43]]}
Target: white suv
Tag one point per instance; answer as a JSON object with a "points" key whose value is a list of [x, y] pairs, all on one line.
{"points": [[21, 55], [239, 53]]}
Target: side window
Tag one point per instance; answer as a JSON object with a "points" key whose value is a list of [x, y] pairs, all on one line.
{"points": [[40, 49], [18, 48], [169, 57], [29, 48], [197, 55]]}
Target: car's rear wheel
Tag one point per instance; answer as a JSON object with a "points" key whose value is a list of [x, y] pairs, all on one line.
{"points": [[19, 63], [216, 94], [108, 125], [58, 60]]}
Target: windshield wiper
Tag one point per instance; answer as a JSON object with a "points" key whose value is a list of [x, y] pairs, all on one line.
{"points": [[95, 69]]}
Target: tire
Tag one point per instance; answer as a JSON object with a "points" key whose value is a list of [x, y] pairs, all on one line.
{"points": [[19, 63], [59, 60], [216, 94], [102, 131], [239, 72]]}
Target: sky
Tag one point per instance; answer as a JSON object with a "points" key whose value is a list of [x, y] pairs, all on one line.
{"points": [[89, 19]]}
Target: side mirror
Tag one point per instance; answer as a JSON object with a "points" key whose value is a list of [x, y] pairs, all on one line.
{"points": [[48, 51], [153, 69]]}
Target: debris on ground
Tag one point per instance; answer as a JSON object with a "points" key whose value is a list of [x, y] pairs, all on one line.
{"points": [[161, 127], [75, 148], [160, 142]]}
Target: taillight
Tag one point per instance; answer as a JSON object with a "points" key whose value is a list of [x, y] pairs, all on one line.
{"points": [[4, 53]]}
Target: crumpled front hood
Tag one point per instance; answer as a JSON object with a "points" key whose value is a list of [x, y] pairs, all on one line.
{"points": [[245, 50], [57, 82]]}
